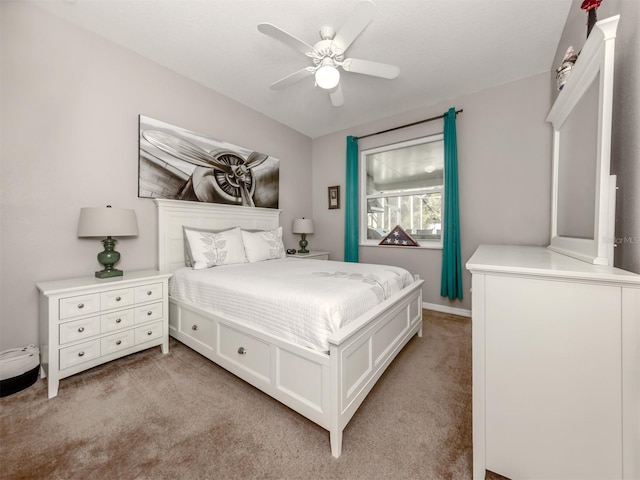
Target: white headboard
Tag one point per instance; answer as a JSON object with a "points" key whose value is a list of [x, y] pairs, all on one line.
{"points": [[173, 214]]}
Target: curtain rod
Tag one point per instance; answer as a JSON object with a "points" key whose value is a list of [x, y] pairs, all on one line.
{"points": [[408, 125]]}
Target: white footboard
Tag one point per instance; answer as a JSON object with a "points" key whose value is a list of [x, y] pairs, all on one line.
{"points": [[326, 389], [361, 353]]}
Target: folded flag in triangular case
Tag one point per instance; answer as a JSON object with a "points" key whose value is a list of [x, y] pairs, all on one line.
{"points": [[399, 237]]}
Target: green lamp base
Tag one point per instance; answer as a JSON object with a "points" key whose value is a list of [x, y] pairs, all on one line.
{"points": [[108, 258], [303, 244], [114, 272]]}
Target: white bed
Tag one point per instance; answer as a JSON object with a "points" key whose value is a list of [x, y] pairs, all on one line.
{"points": [[325, 388]]}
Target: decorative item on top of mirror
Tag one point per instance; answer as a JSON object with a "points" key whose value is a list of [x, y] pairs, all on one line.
{"points": [[399, 238], [334, 197], [591, 6], [563, 71]]}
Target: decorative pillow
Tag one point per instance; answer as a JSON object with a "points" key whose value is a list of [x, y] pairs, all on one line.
{"points": [[188, 259], [210, 249], [263, 245]]}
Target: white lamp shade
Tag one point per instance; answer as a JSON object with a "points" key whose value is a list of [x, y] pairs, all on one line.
{"points": [[302, 225], [107, 222], [327, 77]]}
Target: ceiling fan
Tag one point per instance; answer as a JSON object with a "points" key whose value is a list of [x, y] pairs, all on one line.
{"points": [[328, 55]]}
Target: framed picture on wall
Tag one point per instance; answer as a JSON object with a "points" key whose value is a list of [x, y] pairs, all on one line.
{"points": [[183, 165], [334, 197]]}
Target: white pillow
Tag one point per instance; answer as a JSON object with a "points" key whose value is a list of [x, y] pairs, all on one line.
{"points": [[263, 245], [188, 259], [209, 249]]}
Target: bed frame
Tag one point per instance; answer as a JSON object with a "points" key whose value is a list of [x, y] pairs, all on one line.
{"points": [[326, 389]]}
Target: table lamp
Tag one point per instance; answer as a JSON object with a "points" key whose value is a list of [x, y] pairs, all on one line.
{"points": [[303, 226], [107, 222]]}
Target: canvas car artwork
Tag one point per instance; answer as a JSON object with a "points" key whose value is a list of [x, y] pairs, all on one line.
{"points": [[178, 164]]}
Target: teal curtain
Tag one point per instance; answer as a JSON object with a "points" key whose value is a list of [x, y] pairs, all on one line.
{"points": [[451, 282], [351, 202]]}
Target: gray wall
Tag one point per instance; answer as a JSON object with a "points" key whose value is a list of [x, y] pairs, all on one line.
{"points": [[70, 103], [69, 108], [504, 163], [625, 151]]}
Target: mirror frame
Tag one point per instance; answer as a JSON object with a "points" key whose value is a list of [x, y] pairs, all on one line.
{"points": [[596, 60]]}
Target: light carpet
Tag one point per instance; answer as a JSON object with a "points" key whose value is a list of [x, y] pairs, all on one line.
{"points": [[155, 416]]}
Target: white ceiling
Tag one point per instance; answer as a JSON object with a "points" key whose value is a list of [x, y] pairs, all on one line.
{"points": [[444, 48]]}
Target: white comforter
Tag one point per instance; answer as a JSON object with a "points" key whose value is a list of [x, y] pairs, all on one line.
{"points": [[301, 300]]}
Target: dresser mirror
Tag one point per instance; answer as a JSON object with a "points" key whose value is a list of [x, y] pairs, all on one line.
{"points": [[583, 190]]}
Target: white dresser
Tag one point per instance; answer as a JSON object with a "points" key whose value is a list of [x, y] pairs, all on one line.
{"points": [[556, 366], [87, 321]]}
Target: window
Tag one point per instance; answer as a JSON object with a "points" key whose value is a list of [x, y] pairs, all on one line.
{"points": [[403, 184]]}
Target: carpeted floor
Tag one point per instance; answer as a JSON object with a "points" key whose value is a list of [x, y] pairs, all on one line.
{"points": [[154, 416]]}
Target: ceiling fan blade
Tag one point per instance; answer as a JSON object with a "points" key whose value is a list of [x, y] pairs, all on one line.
{"points": [[375, 69], [286, 38], [361, 16], [336, 96], [293, 78]]}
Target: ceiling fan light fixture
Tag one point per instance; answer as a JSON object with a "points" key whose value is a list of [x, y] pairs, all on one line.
{"points": [[327, 77], [328, 55]]}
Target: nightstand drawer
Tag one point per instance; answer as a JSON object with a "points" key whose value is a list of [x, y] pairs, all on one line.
{"points": [[148, 332], [244, 350], [117, 342], [79, 329], [147, 293], [323, 256], [116, 298], [81, 353], [80, 305], [148, 312], [117, 320]]}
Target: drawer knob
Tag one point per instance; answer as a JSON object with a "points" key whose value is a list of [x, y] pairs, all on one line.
{"points": [[195, 327], [118, 320], [81, 305], [118, 342], [242, 351], [149, 312], [81, 354], [149, 292], [118, 299], [81, 329], [149, 332]]}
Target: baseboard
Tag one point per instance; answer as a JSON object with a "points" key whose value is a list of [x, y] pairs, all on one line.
{"points": [[463, 312]]}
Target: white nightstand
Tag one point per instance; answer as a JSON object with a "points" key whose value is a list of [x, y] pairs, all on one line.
{"points": [[87, 321], [313, 254]]}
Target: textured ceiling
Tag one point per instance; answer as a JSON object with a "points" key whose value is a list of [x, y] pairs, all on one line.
{"points": [[444, 48]]}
